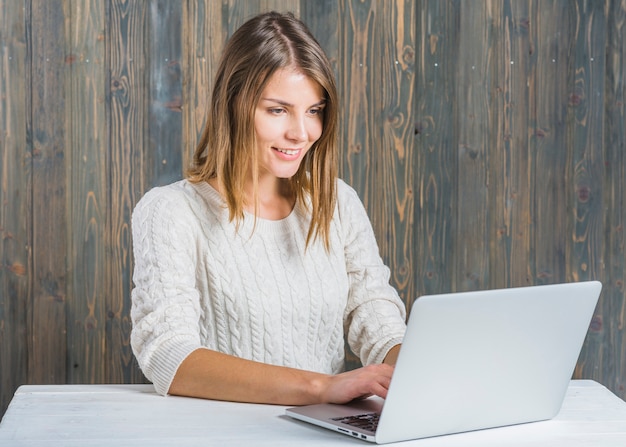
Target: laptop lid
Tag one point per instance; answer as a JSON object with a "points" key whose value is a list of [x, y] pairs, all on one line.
{"points": [[476, 360]]}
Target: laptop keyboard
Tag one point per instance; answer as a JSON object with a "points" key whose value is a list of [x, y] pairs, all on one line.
{"points": [[366, 421]]}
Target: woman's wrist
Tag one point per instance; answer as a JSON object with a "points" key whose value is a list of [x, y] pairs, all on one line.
{"points": [[316, 389]]}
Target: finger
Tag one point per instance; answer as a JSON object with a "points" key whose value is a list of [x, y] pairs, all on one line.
{"points": [[379, 390]]}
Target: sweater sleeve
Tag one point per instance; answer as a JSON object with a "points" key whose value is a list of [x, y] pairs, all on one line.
{"points": [[375, 315], [165, 304]]}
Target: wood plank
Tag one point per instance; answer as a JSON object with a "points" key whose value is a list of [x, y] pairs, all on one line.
{"points": [[354, 77], [164, 157], [392, 91], [550, 85], [586, 252], [127, 114], [204, 34], [603, 355], [87, 143], [47, 350], [241, 11], [614, 296], [585, 140], [279, 5], [321, 17], [509, 168], [437, 38], [15, 199], [473, 92]]}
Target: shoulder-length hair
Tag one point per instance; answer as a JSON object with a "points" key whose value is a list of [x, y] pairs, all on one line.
{"points": [[227, 148]]}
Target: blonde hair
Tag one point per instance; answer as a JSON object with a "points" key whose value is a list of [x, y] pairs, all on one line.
{"points": [[227, 148]]}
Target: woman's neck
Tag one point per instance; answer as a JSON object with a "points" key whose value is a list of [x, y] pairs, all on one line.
{"points": [[276, 198]]}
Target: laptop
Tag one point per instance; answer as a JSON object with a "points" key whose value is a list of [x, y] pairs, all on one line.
{"points": [[473, 360]]}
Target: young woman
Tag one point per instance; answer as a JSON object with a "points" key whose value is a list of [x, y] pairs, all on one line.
{"points": [[250, 273]]}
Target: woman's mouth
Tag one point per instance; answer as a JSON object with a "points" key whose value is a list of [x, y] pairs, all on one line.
{"points": [[289, 152]]}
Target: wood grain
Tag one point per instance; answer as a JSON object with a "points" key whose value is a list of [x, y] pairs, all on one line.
{"points": [[472, 99], [322, 18], [586, 108], [510, 159], [612, 309], [598, 358], [204, 34], [164, 65], [549, 87], [356, 137], [47, 304], [437, 39], [86, 142], [587, 164], [382, 54], [15, 201], [127, 112], [392, 200]]}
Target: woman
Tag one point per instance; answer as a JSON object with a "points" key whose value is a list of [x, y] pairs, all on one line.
{"points": [[248, 271]]}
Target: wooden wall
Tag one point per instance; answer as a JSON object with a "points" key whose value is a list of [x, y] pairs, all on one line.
{"points": [[486, 139]]}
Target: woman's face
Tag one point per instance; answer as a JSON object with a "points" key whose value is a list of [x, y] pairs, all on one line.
{"points": [[287, 121]]}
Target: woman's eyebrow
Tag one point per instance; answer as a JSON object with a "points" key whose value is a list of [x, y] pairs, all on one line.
{"points": [[286, 104]]}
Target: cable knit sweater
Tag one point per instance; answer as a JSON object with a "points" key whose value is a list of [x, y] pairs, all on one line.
{"points": [[255, 292]]}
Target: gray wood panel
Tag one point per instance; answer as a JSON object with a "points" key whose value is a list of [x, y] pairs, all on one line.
{"points": [[15, 201], [486, 139], [46, 303]]}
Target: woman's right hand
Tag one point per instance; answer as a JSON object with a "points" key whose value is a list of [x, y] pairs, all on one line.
{"points": [[357, 384]]}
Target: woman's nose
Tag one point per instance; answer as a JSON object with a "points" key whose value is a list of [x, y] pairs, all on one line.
{"points": [[297, 129]]}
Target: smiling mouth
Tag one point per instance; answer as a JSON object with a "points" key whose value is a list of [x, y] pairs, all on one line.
{"points": [[286, 151]]}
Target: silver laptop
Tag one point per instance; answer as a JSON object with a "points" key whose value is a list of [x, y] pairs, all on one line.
{"points": [[471, 361]]}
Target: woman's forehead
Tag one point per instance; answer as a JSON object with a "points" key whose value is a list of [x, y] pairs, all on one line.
{"points": [[291, 85]]}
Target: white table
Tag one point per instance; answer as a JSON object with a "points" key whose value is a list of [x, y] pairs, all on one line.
{"points": [[133, 415]]}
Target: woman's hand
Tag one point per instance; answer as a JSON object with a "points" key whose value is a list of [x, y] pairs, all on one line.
{"points": [[357, 384]]}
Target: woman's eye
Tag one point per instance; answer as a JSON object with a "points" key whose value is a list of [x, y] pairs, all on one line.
{"points": [[316, 111], [276, 111]]}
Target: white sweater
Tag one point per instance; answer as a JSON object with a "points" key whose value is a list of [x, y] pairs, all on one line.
{"points": [[256, 293]]}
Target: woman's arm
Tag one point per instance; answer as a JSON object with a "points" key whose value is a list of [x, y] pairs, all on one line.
{"points": [[375, 314], [392, 356], [213, 375]]}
